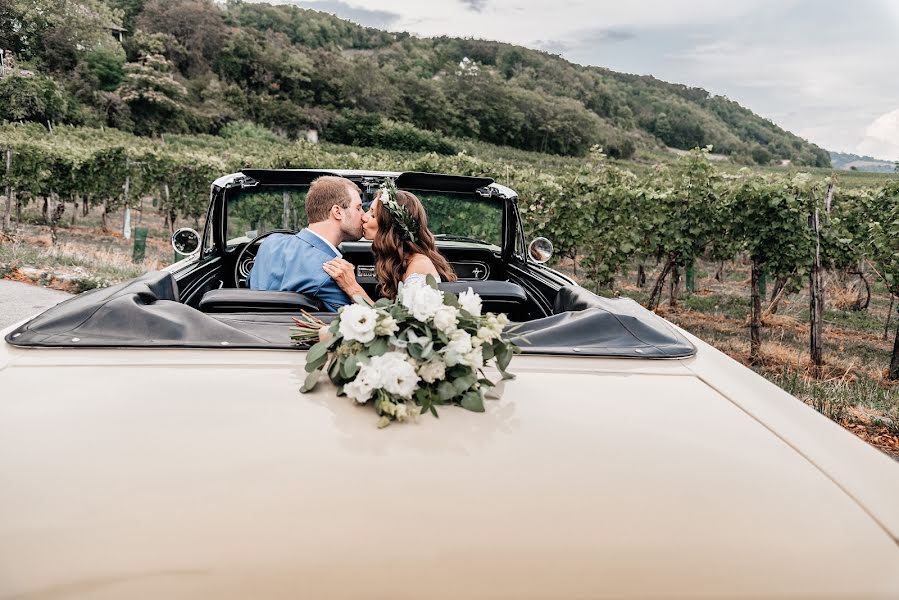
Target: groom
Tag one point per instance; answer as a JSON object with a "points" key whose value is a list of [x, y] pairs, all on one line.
{"points": [[294, 262]]}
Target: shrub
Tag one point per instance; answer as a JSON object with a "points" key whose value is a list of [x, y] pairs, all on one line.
{"points": [[33, 98], [248, 130], [366, 129]]}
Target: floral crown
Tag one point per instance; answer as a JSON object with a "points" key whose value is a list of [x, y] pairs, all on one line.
{"points": [[406, 223]]}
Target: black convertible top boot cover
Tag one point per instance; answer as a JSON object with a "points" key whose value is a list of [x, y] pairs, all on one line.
{"points": [[143, 312]]}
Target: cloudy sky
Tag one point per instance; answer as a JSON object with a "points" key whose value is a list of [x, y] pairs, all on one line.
{"points": [[827, 70]]}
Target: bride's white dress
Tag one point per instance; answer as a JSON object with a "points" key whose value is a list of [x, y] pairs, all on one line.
{"points": [[418, 279]]}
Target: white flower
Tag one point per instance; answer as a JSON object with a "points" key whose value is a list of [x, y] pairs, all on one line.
{"points": [[433, 370], [387, 325], [474, 358], [422, 300], [445, 319], [401, 412], [470, 303], [357, 322], [458, 347], [493, 326], [486, 333], [395, 374], [361, 387]]}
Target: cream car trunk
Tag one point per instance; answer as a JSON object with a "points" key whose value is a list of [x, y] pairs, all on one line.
{"points": [[205, 473]]}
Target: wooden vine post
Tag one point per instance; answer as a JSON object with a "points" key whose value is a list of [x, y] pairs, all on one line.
{"points": [[7, 211], [691, 278], [285, 216], [893, 373], [126, 215], [816, 288]]}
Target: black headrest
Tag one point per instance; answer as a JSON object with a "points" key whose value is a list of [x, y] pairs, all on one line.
{"points": [[498, 291]]}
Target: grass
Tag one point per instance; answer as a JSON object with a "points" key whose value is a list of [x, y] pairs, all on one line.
{"points": [[84, 258]]}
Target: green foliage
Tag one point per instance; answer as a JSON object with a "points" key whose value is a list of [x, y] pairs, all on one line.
{"points": [[366, 129], [246, 130], [883, 231], [153, 93], [769, 220], [107, 66], [56, 34], [33, 98]]}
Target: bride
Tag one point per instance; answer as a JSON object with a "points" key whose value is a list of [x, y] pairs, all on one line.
{"points": [[403, 246]]}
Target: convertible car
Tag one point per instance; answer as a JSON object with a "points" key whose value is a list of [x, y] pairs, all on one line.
{"points": [[154, 443]]}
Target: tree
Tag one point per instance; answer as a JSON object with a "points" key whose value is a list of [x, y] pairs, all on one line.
{"points": [[34, 98], [196, 24], [55, 34], [153, 95]]}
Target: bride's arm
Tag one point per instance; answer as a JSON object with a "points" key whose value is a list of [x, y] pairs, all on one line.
{"points": [[344, 273]]}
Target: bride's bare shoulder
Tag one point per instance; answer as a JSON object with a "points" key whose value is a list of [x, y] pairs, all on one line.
{"points": [[420, 263]]}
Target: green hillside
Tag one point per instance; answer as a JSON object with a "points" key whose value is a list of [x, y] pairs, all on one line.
{"points": [[192, 66], [854, 162]]}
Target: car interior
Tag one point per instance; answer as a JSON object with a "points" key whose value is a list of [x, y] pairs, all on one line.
{"points": [[468, 227]]}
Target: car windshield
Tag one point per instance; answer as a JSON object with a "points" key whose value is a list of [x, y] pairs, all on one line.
{"points": [[451, 216]]}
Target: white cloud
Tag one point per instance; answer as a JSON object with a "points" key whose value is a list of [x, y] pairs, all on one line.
{"points": [[882, 137]]}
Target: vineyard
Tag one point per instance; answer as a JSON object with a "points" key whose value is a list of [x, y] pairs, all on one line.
{"points": [[665, 233]]}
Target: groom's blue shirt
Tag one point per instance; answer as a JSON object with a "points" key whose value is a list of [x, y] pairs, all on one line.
{"points": [[293, 263]]}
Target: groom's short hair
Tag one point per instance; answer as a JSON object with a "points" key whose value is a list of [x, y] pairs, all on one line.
{"points": [[325, 192]]}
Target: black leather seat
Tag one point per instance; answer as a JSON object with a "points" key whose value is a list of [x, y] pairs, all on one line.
{"points": [[244, 300]]}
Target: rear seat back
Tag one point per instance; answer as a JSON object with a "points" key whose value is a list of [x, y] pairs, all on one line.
{"points": [[496, 296], [243, 300]]}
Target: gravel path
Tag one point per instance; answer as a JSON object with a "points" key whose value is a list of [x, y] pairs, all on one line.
{"points": [[20, 300]]}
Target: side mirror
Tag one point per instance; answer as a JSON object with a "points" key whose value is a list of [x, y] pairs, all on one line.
{"points": [[185, 241], [540, 250]]}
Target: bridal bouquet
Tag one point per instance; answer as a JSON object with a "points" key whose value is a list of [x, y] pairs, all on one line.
{"points": [[424, 349]]}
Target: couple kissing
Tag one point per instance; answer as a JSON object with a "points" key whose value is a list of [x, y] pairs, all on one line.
{"points": [[310, 263]]}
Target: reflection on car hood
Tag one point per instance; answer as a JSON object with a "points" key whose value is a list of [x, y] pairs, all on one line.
{"points": [[154, 473]]}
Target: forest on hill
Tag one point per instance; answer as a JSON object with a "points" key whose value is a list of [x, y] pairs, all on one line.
{"points": [[193, 66]]}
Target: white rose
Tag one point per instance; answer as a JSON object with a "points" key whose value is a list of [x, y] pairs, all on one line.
{"points": [[496, 323], [470, 303], [458, 347], [474, 358], [422, 301], [445, 319], [387, 325], [433, 370], [487, 333], [357, 322], [396, 375]]}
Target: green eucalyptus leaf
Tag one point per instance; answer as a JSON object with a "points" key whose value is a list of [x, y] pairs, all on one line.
{"points": [[446, 391], [311, 381], [472, 401], [316, 356], [378, 346]]}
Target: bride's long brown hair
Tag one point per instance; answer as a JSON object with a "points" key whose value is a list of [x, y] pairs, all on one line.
{"points": [[393, 251]]}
